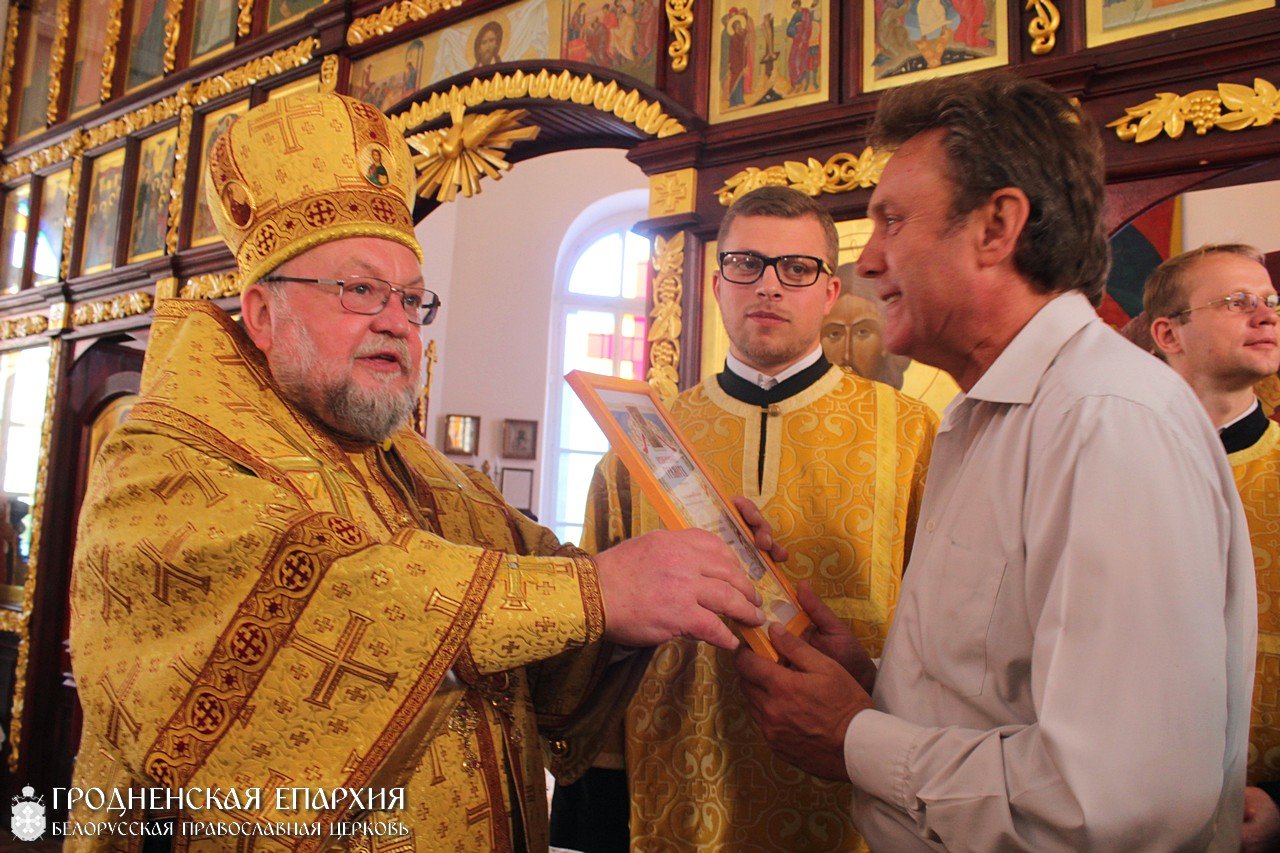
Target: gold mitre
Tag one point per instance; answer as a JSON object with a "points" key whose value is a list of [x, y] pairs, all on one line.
{"points": [[306, 169]]}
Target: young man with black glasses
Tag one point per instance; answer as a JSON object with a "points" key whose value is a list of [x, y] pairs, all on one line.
{"points": [[836, 462]]}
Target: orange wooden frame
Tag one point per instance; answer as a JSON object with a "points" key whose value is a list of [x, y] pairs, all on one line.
{"points": [[607, 398]]}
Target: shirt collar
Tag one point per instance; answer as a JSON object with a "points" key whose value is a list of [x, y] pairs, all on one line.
{"points": [[766, 381], [1015, 374], [1245, 431]]}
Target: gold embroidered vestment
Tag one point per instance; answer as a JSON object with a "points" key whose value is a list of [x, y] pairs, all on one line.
{"points": [[1257, 474], [255, 605], [844, 472]]}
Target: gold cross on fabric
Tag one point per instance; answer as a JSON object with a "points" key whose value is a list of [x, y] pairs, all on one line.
{"points": [[339, 661]]}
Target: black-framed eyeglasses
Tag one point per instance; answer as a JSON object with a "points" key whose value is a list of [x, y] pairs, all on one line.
{"points": [[370, 295], [1239, 303], [792, 270]]}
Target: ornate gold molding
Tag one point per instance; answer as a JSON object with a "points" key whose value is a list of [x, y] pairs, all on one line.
{"points": [[214, 286], [143, 117], [285, 59], [166, 288], [69, 224], [389, 19], [1043, 28], [115, 308], [472, 147], [58, 56], [181, 150], [244, 18], [664, 322], [680, 23], [33, 561], [22, 327], [59, 319], [329, 73], [6, 74], [109, 48], [672, 192], [64, 150], [841, 173], [172, 27], [1203, 109], [609, 97]]}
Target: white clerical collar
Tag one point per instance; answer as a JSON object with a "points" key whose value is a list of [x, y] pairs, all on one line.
{"points": [[1248, 410], [766, 381]]}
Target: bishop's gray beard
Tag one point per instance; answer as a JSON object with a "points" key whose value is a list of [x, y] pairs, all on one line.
{"points": [[327, 394]]}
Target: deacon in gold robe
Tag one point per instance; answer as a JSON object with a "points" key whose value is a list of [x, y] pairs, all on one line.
{"points": [[1216, 325], [284, 596], [837, 464]]}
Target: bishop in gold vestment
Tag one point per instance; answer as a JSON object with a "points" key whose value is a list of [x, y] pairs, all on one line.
{"points": [[279, 609], [838, 469], [281, 588]]}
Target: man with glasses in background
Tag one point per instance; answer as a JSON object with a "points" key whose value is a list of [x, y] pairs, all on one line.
{"points": [[280, 588], [1215, 310], [836, 463]]}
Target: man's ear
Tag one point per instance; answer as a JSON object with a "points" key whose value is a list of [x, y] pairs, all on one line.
{"points": [[715, 286], [1002, 221], [255, 311], [833, 293], [1164, 333]]}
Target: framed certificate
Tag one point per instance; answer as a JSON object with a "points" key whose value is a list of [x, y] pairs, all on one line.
{"points": [[682, 490]]}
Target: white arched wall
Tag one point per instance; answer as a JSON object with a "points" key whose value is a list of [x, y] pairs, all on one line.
{"points": [[1243, 214], [492, 258]]}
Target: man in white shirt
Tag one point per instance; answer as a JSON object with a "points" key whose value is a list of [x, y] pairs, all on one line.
{"points": [[1071, 660], [1215, 324]]}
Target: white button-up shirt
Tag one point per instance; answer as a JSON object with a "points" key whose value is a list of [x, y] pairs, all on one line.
{"points": [[1071, 663]]}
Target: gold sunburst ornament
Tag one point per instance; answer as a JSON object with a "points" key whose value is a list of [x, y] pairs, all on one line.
{"points": [[456, 157]]}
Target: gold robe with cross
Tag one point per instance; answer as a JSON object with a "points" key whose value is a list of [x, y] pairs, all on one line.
{"points": [[258, 606], [843, 475], [1257, 475]]}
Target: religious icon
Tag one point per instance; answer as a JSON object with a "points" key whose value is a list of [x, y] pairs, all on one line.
{"points": [[375, 172], [310, 83], [145, 55], [31, 71], [203, 230], [909, 40], [768, 55], [86, 64], [13, 237], [487, 47], [520, 31], [617, 34], [283, 11], [214, 28], [54, 192], [98, 249], [151, 196], [461, 434], [519, 439], [237, 203], [682, 489], [1110, 21], [386, 78]]}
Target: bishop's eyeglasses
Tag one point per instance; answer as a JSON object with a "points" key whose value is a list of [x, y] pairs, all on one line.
{"points": [[1239, 303], [792, 270], [370, 295]]}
